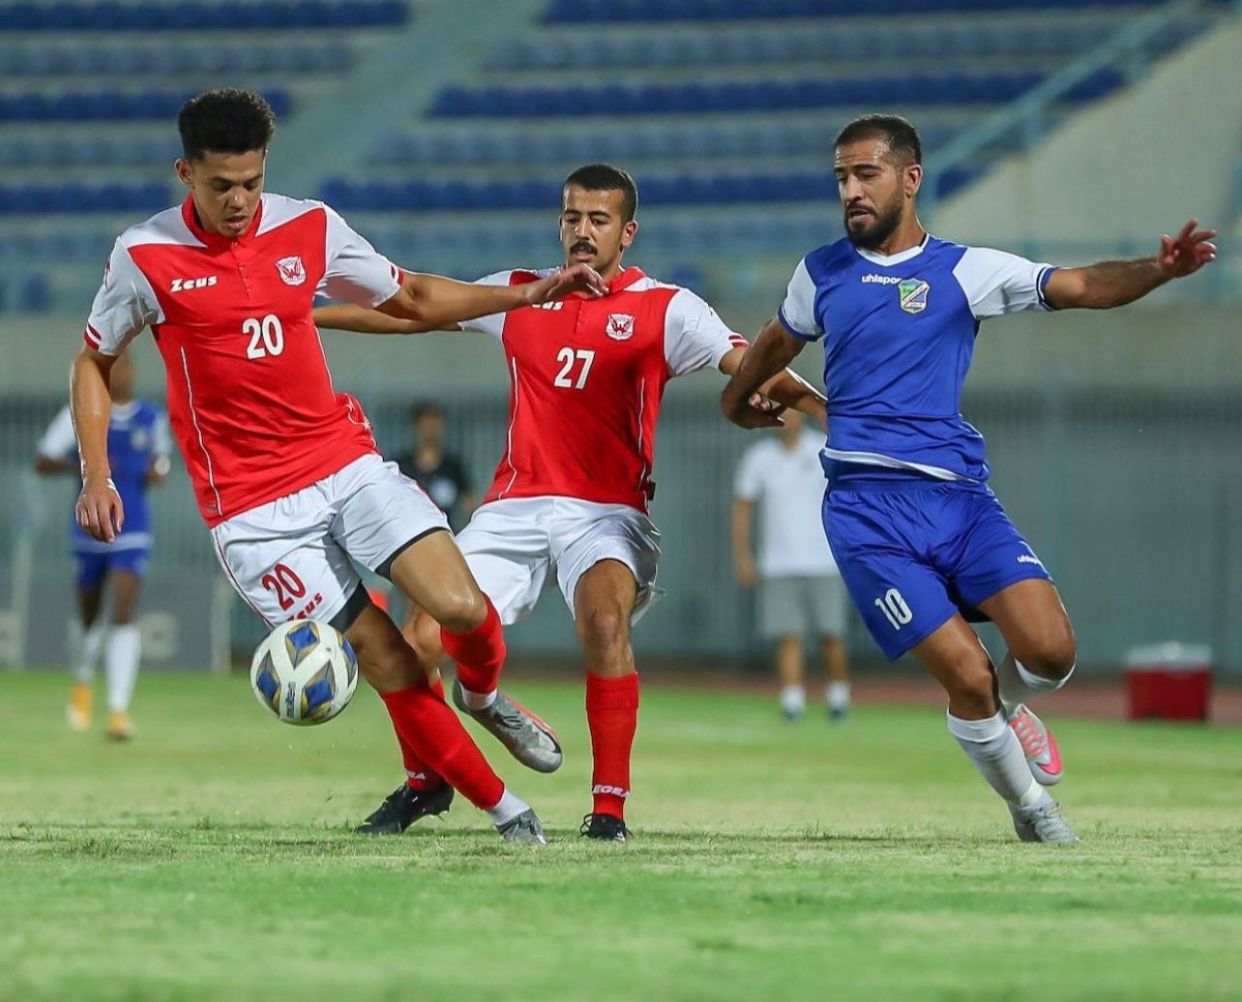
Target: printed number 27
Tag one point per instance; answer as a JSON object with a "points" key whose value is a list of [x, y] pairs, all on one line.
{"points": [[567, 357]]}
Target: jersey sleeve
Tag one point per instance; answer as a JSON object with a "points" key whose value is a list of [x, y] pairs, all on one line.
{"points": [[123, 306], [694, 335], [797, 312], [493, 323], [354, 271], [59, 441], [996, 283], [748, 480]]}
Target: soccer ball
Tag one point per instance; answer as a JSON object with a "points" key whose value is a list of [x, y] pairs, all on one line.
{"points": [[305, 672]]}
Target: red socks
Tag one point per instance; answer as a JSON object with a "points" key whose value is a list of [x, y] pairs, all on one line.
{"points": [[479, 654], [612, 715], [418, 774], [431, 731]]}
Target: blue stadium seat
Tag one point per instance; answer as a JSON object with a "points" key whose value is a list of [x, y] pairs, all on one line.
{"points": [[84, 15]]}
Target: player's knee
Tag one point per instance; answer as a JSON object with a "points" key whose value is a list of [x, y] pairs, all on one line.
{"points": [[604, 628], [423, 634], [973, 687], [1051, 653], [464, 613]]}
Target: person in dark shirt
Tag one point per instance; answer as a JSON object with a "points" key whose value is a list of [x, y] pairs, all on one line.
{"points": [[441, 474]]}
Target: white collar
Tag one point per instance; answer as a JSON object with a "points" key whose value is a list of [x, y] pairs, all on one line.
{"points": [[888, 260]]}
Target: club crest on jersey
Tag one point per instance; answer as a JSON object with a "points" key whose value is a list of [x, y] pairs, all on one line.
{"points": [[913, 294], [620, 326], [291, 270]]}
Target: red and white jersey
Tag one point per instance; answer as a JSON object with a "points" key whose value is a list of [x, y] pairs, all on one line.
{"points": [[587, 379], [249, 393]]}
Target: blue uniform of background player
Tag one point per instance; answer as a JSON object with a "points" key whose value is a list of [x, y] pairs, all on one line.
{"points": [[139, 447], [921, 541]]}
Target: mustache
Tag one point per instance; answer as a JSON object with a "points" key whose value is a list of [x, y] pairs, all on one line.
{"points": [[582, 245]]}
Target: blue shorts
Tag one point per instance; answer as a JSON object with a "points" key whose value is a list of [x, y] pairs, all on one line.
{"points": [[93, 566], [914, 553]]}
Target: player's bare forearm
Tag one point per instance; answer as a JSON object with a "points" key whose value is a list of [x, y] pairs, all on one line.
{"points": [[792, 391], [1103, 285], [771, 352], [1114, 283], [437, 303], [363, 321], [99, 509]]}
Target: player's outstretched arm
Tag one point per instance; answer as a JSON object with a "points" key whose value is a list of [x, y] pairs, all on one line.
{"points": [[435, 303], [786, 388], [363, 321], [99, 510], [1114, 283], [741, 400]]}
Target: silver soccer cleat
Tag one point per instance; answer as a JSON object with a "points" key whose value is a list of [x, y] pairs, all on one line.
{"points": [[1043, 822], [523, 828], [529, 739]]}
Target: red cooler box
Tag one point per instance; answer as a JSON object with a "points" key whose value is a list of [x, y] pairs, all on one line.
{"points": [[1169, 682]]}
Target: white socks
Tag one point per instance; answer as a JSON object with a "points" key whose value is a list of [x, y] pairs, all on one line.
{"points": [[479, 700], [838, 696], [507, 808], [998, 756], [793, 700], [1017, 684], [91, 643], [122, 651]]}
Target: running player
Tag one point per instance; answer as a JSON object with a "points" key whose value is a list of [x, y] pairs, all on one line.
{"points": [[922, 542], [571, 494], [285, 469], [138, 451]]}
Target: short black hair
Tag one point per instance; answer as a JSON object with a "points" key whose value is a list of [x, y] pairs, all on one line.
{"points": [[424, 408], [606, 177], [225, 121], [902, 138]]}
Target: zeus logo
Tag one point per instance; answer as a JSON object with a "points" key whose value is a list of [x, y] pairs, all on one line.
{"points": [[185, 284], [556, 305]]}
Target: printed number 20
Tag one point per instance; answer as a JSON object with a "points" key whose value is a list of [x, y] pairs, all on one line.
{"points": [[281, 579], [895, 609], [567, 357], [267, 336]]}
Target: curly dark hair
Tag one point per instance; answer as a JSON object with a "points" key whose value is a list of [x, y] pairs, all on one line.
{"points": [[225, 121]]}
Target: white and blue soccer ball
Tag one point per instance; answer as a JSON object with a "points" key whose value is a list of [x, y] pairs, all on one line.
{"points": [[305, 672]]}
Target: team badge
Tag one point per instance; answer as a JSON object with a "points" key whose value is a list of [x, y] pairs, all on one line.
{"points": [[291, 270], [913, 294], [620, 326]]}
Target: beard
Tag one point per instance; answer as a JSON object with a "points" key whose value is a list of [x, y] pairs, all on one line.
{"points": [[869, 232]]}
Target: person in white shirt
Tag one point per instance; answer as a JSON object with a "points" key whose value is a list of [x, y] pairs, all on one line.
{"points": [[799, 588]]}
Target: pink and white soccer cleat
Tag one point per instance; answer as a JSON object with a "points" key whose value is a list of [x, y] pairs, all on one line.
{"points": [[1038, 744]]}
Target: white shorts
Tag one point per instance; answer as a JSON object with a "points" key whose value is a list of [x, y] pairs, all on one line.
{"points": [[512, 544], [290, 558]]}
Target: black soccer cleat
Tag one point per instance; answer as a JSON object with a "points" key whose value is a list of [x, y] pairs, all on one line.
{"points": [[403, 807], [605, 827]]}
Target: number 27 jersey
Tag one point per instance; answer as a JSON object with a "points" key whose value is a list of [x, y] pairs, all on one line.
{"points": [[587, 377], [250, 398]]}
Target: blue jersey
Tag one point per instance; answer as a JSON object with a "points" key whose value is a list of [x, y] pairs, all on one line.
{"points": [[899, 332], [137, 437]]}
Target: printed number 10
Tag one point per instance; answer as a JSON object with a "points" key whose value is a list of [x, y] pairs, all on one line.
{"points": [[895, 609]]}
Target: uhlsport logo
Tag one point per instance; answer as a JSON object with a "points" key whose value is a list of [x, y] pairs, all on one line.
{"points": [[291, 270], [620, 326], [913, 294]]}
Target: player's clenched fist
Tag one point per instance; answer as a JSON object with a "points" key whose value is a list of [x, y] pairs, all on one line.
{"points": [[99, 510]]}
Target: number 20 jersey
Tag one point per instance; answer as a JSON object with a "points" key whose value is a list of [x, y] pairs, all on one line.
{"points": [[250, 398]]}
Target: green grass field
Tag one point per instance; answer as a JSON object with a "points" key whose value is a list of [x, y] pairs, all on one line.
{"points": [[212, 859]]}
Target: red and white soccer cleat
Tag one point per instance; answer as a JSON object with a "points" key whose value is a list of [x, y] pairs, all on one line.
{"points": [[1038, 744]]}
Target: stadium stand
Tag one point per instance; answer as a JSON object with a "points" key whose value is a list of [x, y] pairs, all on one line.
{"points": [[718, 106]]}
